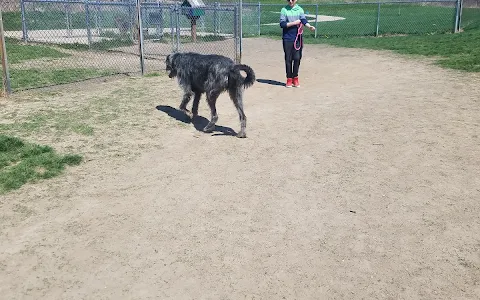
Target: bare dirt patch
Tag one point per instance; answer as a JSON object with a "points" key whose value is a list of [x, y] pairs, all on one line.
{"points": [[361, 184]]}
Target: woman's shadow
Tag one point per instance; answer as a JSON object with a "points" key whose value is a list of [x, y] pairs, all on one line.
{"points": [[198, 122]]}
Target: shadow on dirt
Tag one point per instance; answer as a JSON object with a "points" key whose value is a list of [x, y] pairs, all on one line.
{"points": [[271, 82], [198, 122]]}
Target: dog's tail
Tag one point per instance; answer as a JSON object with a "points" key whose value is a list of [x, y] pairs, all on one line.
{"points": [[237, 79]]}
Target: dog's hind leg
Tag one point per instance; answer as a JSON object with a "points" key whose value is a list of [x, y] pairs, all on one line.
{"points": [[196, 100], [186, 98], [236, 95], [212, 100]]}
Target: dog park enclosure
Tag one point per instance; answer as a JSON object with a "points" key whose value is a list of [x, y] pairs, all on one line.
{"points": [[100, 38]]}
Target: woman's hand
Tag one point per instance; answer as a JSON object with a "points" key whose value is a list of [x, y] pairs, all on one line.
{"points": [[312, 28]]}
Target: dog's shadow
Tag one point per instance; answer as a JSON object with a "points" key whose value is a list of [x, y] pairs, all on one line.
{"points": [[198, 122]]}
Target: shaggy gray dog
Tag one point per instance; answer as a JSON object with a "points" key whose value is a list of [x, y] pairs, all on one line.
{"points": [[212, 75]]}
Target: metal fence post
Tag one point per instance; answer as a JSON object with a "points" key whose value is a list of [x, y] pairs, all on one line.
{"points": [[24, 22], [378, 20], [241, 29], [98, 24], [235, 33], [172, 12], [87, 22], [160, 27], [177, 26], [316, 19], [215, 19], [140, 36], [131, 17], [67, 19], [259, 16], [458, 15]]}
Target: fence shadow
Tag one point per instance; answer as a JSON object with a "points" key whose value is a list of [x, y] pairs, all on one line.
{"points": [[271, 82], [198, 122]]}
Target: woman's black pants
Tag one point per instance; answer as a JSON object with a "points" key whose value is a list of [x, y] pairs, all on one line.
{"points": [[292, 58]]}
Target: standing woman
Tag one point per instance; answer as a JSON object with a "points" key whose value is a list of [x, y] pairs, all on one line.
{"points": [[292, 20]]}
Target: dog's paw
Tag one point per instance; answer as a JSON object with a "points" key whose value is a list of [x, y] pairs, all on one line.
{"points": [[188, 113], [241, 134], [209, 128]]}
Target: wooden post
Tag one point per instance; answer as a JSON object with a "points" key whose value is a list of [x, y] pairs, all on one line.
{"points": [[5, 75]]}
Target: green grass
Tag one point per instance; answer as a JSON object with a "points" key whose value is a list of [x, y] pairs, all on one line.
{"points": [[456, 51], [22, 162], [471, 18], [19, 52], [57, 122], [53, 18], [12, 21], [361, 19], [153, 74], [25, 78], [32, 78], [103, 45]]}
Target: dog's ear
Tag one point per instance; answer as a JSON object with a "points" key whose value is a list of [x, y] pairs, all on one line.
{"points": [[169, 60]]}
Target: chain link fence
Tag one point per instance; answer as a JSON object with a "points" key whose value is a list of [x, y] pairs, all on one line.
{"points": [[67, 40], [359, 19], [57, 41]]}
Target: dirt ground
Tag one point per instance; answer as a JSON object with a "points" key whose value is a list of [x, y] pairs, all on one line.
{"points": [[362, 184]]}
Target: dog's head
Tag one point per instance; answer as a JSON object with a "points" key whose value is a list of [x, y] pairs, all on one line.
{"points": [[170, 65]]}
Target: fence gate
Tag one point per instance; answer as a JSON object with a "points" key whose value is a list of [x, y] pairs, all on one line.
{"points": [[211, 29]]}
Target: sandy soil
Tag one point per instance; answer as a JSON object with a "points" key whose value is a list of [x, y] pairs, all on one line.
{"points": [[362, 184]]}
